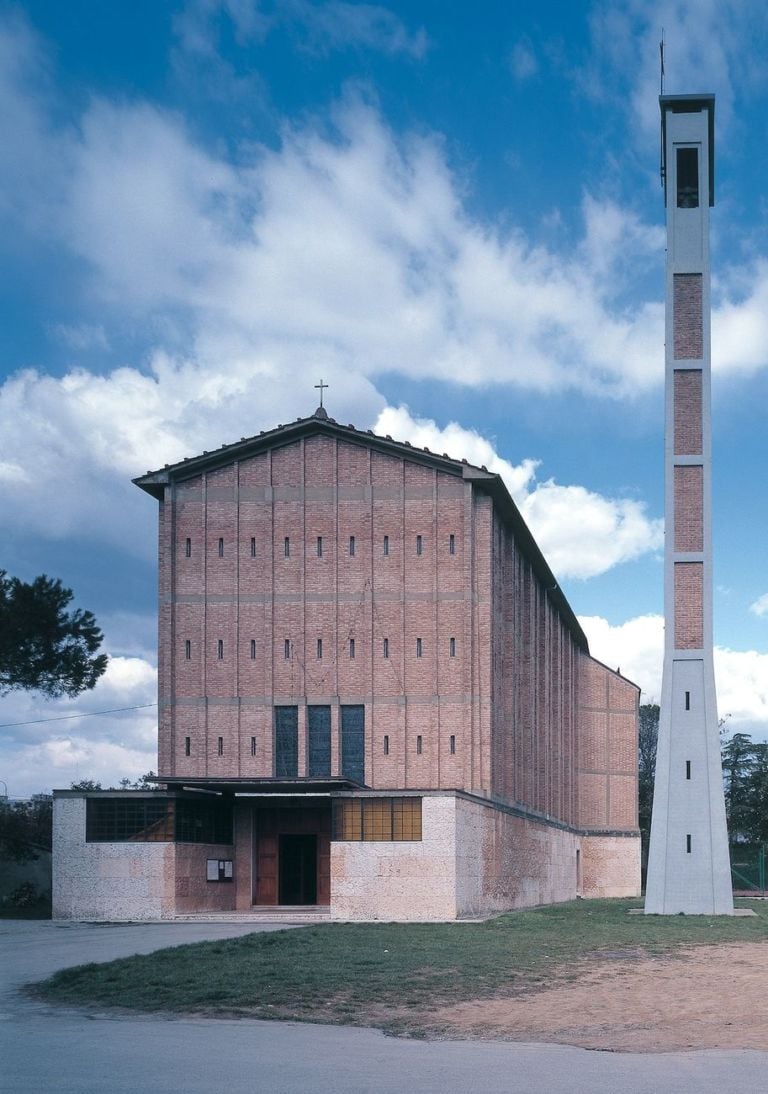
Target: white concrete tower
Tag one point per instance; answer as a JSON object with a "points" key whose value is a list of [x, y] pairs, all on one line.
{"points": [[688, 863]]}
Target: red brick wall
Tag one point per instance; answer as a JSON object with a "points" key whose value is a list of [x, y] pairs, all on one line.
{"points": [[607, 749], [689, 515], [689, 605], [688, 409], [687, 316]]}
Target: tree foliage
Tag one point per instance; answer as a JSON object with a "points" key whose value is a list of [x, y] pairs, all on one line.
{"points": [[43, 645], [25, 829], [648, 737]]}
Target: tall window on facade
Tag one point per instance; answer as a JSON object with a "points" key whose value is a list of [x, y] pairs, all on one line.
{"points": [[287, 547], [253, 746], [253, 649], [687, 178], [220, 649], [187, 746], [220, 746], [351, 546], [419, 647], [286, 742], [319, 740], [253, 546], [419, 745], [319, 649], [453, 744], [353, 743], [452, 646], [287, 649], [188, 650], [319, 546], [386, 545], [386, 647], [188, 548], [419, 545], [352, 649], [386, 744], [221, 547], [451, 544]]}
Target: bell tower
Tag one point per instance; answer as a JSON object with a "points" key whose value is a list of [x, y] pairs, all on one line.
{"points": [[688, 863]]}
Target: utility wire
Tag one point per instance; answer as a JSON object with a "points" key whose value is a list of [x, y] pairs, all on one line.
{"points": [[69, 717]]}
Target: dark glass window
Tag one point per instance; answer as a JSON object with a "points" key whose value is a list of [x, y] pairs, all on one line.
{"points": [[687, 769], [286, 742], [687, 700], [352, 648], [386, 545], [221, 548], [187, 746], [319, 649], [353, 743], [688, 844], [188, 548], [386, 647], [351, 545], [687, 178], [253, 547], [319, 732], [253, 649], [451, 544], [220, 649], [287, 649], [386, 744], [188, 649], [419, 647], [418, 745], [377, 819], [419, 545], [220, 746], [157, 820], [253, 746], [452, 646], [287, 547], [453, 744], [319, 546]]}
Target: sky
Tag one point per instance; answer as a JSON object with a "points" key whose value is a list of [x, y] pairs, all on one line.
{"points": [[450, 213]]}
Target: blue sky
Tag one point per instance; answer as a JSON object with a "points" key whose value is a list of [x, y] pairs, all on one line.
{"points": [[450, 212]]}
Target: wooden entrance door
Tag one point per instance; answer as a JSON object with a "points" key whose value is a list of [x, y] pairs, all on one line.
{"points": [[292, 855]]}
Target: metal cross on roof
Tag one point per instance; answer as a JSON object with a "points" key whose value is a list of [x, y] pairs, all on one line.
{"points": [[321, 385]]}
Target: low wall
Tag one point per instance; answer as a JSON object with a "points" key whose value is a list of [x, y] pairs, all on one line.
{"points": [[107, 881], [403, 881], [610, 866], [505, 861]]}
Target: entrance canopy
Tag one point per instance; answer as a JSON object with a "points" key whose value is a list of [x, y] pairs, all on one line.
{"points": [[247, 787]]}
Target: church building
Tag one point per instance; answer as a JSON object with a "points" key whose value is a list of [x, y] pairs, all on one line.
{"points": [[374, 701]]}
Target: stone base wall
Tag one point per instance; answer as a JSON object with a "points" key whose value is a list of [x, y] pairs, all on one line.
{"points": [[107, 881], [504, 861], [399, 881], [130, 881], [610, 866]]}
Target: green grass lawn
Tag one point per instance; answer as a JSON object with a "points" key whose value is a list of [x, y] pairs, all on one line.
{"points": [[379, 973]]}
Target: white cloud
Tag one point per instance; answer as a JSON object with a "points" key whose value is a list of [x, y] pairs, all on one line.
{"points": [[522, 61], [760, 606], [637, 647], [581, 533], [41, 754]]}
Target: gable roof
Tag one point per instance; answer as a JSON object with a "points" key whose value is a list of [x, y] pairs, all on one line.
{"points": [[319, 423]]}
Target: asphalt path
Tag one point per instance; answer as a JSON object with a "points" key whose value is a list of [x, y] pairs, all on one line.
{"points": [[51, 1049]]}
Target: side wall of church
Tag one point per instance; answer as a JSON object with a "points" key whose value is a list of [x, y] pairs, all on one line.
{"points": [[535, 689]]}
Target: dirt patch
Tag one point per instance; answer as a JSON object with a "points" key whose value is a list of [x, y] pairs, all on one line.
{"points": [[704, 997]]}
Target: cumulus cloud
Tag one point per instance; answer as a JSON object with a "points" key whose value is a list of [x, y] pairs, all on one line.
{"points": [[40, 754], [760, 606], [581, 533], [637, 647], [522, 61]]}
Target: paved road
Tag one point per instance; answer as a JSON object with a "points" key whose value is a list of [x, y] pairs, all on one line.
{"points": [[45, 1049]]}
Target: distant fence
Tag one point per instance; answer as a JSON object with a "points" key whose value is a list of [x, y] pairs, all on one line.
{"points": [[748, 867]]}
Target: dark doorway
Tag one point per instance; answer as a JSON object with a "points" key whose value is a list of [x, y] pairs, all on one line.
{"points": [[298, 869]]}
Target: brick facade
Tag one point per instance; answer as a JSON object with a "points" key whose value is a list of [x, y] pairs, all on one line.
{"points": [[687, 316], [317, 566]]}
